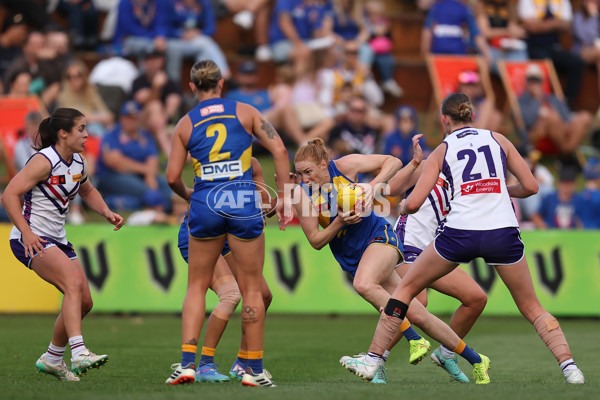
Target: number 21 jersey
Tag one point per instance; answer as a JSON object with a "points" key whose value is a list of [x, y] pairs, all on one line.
{"points": [[475, 167]]}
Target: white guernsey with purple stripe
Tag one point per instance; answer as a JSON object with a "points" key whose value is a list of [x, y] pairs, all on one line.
{"points": [[46, 205], [475, 167], [417, 230]]}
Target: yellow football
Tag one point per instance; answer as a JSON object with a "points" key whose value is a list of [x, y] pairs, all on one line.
{"points": [[348, 195]]}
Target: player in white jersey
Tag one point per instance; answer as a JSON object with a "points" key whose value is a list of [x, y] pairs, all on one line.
{"points": [[481, 223], [48, 182], [418, 230]]}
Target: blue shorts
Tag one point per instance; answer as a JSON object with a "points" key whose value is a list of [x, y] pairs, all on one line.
{"points": [[183, 241], [384, 234], [213, 214], [497, 246], [19, 250]]}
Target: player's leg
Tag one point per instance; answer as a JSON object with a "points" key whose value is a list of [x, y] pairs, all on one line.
{"points": [[224, 285], [249, 256], [203, 255], [241, 362], [518, 280], [428, 267]]}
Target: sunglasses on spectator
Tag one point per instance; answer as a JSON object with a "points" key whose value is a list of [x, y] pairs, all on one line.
{"points": [[73, 76], [351, 51], [358, 109], [533, 79]]}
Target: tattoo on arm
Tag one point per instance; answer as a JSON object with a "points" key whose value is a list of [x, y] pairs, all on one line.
{"points": [[268, 129]]}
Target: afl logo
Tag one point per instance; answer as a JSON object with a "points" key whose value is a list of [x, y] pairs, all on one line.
{"points": [[241, 199]]}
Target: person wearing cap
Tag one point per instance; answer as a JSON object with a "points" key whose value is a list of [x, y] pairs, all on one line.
{"points": [[191, 23], [398, 143], [158, 95], [486, 114], [545, 22], [128, 163], [548, 118], [562, 208], [590, 216]]}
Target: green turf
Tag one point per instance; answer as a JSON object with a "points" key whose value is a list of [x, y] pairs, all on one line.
{"points": [[302, 353]]}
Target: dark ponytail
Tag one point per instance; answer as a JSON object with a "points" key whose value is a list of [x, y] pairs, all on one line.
{"points": [[47, 134], [458, 107]]}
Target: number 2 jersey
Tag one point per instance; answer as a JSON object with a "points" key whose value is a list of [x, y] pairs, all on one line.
{"points": [[475, 167], [46, 204]]}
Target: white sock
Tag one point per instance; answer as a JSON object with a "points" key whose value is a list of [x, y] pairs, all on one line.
{"points": [[386, 355], [373, 358], [446, 353], [77, 346], [54, 354], [567, 366]]}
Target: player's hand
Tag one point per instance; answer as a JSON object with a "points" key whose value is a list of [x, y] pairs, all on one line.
{"points": [[284, 211], [33, 244], [366, 203], [349, 217], [115, 219], [417, 150]]}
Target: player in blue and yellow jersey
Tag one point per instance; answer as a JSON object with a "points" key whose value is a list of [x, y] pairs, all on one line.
{"points": [[224, 204], [364, 244]]}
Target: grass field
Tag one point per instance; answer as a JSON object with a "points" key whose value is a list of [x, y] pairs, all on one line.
{"points": [[302, 353]]}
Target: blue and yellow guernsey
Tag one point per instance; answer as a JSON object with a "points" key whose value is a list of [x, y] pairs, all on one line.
{"points": [[225, 200], [220, 146], [351, 241]]}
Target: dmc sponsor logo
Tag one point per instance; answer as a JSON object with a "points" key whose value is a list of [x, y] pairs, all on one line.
{"points": [[225, 169], [227, 199], [217, 108], [482, 186]]}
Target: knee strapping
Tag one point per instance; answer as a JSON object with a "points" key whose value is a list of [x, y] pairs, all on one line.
{"points": [[396, 308], [229, 298], [549, 330]]}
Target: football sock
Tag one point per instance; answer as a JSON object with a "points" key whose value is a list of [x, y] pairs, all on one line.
{"points": [[373, 358], [567, 366], [467, 353], [255, 361], [188, 355], [242, 358], [408, 331], [54, 354], [385, 355], [77, 346], [207, 356], [446, 353]]}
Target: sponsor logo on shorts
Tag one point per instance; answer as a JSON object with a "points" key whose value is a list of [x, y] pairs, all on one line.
{"points": [[235, 195], [224, 169], [216, 108], [482, 186]]}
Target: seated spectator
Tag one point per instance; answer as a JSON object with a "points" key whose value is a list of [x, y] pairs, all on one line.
{"points": [[24, 146], [274, 105], [498, 21], [545, 180], [159, 97], [78, 92], [34, 12], [381, 44], [45, 72], [12, 39], [82, 20], [398, 143], [547, 117], [447, 25], [128, 166], [353, 134], [590, 215], [253, 13], [18, 85], [113, 77], [586, 34], [293, 24], [544, 22], [141, 27], [561, 208], [191, 23], [487, 116]]}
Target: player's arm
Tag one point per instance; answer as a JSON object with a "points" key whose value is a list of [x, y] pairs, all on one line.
{"points": [[426, 182], [36, 170], [178, 158], [94, 200], [407, 177], [527, 185], [309, 221], [265, 197]]}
